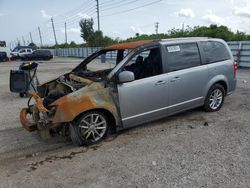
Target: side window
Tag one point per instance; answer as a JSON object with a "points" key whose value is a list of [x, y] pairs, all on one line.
{"points": [[21, 51], [145, 64], [182, 56], [215, 51], [28, 50]]}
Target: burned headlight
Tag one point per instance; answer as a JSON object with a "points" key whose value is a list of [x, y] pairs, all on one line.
{"points": [[52, 110]]}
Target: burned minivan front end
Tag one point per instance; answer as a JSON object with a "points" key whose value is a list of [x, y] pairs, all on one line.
{"points": [[59, 102], [82, 104]]}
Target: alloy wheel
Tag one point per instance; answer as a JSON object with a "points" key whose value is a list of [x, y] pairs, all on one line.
{"points": [[93, 127], [215, 99]]}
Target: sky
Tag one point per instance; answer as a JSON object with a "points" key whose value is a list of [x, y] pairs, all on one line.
{"points": [[118, 18]]}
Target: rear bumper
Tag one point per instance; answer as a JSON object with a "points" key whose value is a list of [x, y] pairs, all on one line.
{"points": [[29, 126], [232, 86]]}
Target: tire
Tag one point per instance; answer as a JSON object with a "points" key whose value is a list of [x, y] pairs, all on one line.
{"points": [[21, 95], [90, 128], [215, 98]]}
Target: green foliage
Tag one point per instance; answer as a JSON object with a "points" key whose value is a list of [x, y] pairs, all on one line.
{"points": [[213, 31], [97, 39], [87, 29], [32, 44], [2, 44], [93, 38]]}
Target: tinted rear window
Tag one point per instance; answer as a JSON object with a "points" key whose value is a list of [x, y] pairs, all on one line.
{"points": [[182, 56], [215, 51], [3, 54], [43, 52]]}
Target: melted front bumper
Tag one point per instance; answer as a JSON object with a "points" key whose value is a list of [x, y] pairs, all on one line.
{"points": [[27, 124]]}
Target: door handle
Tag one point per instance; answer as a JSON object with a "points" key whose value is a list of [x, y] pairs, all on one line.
{"points": [[175, 79], [160, 82]]}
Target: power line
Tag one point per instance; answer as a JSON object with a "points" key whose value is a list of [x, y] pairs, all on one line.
{"points": [[128, 10], [106, 2], [104, 5], [80, 14], [69, 14], [74, 10], [75, 18], [120, 4]]}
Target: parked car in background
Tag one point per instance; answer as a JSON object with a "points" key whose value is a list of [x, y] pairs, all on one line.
{"points": [[7, 51], [38, 55], [150, 80], [25, 51], [16, 50], [3, 56]]}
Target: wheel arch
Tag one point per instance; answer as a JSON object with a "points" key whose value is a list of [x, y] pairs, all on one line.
{"points": [[220, 79], [111, 118]]}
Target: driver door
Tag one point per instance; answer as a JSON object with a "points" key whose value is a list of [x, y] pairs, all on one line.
{"points": [[144, 99]]}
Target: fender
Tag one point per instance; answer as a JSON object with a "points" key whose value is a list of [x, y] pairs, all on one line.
{"points": [[91, 97], [215, 79]]}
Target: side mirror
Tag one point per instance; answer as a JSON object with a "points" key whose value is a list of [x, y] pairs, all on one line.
{"points": [[126, 76]]}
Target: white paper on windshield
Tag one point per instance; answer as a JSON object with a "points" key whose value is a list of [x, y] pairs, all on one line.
{"points": [[173, 49]]}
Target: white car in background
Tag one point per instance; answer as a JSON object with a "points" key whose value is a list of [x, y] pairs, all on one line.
{"points": [[24, 51], [7, 50]]}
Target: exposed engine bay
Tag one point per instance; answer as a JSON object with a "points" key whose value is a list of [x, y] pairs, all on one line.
{"points": [[68, 83]]}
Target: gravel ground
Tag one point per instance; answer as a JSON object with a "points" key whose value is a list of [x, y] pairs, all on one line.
{"points": [[191, 149]]}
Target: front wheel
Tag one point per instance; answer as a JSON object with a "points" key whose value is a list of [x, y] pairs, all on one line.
{"points": [[215, 98], [90, 128]]}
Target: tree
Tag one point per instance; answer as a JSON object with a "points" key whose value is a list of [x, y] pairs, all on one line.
{"points": [[87, 29], [2, 44], [93, 38], [32, 44], [214, 31]]}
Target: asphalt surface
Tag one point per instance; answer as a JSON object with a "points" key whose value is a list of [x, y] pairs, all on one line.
{"points": [[191, 149]]}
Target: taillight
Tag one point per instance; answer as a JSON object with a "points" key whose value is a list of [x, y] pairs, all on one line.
{"points": [[235, 67]]}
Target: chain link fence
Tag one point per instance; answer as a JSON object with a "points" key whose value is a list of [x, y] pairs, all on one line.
{"points": [[240, 50]]}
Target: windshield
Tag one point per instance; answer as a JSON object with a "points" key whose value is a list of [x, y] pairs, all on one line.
{"points": [[101, 61]]}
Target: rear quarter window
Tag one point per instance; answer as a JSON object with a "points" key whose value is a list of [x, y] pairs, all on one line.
{"points": [[182, 56], [215, 51], [45, 52]]}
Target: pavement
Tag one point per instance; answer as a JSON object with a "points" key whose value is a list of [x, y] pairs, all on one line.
{"points": [[191, 149]]}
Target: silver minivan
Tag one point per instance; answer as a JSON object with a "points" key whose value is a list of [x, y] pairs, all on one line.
{"points": [[147, 80]]}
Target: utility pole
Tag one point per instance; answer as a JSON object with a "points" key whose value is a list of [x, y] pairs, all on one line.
{"points": [[183, 27], [23, 41], [39, 31], [156, 27], [31, 38], [66, 40], [98, 14], [52, 22], [18, 42]]}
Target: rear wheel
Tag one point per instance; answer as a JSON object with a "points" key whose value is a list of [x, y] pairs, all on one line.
{"points": [[90, 128], [215, 98]]}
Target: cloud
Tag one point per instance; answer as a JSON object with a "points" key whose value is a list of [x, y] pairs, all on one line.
{"points": [[136, 29], [71, 30], [44, 14], [242, 11], [211, 18], [1, 14], [185, 13], [83, 15]]}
